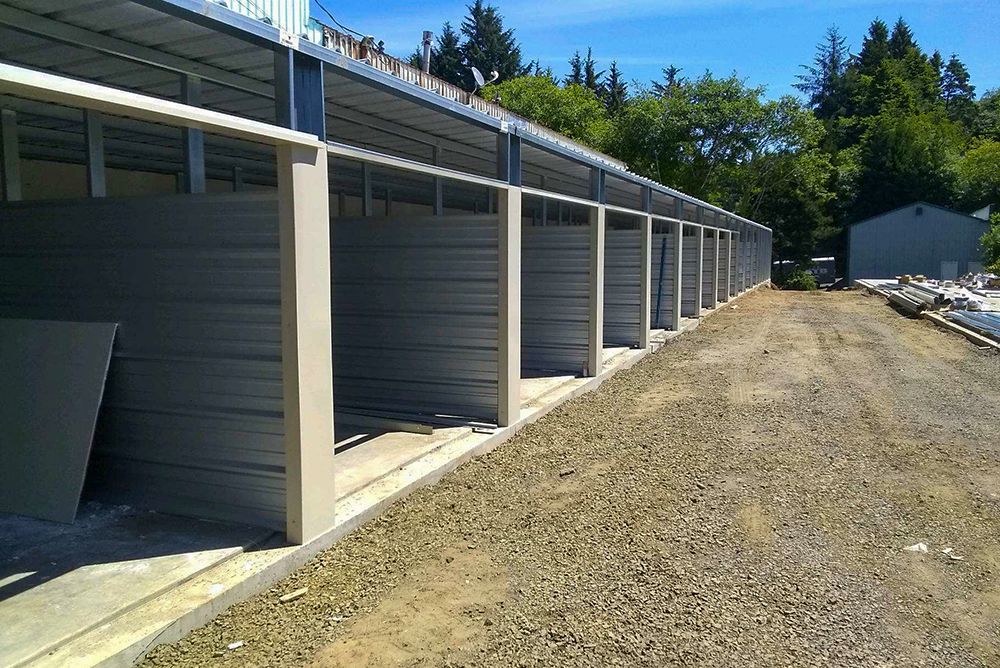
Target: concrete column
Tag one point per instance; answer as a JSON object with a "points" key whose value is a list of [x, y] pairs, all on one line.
{"points": [[10, 156], [509, 353], [595, 320], [94, 134], [645, 279], [699, 280], [193, 139], [306, 340]]}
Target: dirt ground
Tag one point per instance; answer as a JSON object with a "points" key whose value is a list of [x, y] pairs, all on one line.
{"points": [[741, 498]]}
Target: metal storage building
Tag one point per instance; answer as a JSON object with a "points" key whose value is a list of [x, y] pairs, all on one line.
{"points": [[918, 238], [295, 233]]}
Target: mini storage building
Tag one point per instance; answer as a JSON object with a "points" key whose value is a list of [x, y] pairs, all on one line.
{"points": [[295, 234]]}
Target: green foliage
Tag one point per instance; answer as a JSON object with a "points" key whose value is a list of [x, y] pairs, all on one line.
{"points": [[575, 76], [825, 84], [987, 123], [978, 175], [799, 279], [990, 244], [614, 90], [572, 110], [446, 58]]}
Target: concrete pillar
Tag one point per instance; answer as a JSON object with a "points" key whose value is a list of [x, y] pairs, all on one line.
{"points": [[509, 353], [595, 320], [306, 340], [700, 272], [645, 279], [94, 135], [10, 156]]}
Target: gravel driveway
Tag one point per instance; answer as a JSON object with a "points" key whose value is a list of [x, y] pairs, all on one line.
{"points": [[741, 498]]}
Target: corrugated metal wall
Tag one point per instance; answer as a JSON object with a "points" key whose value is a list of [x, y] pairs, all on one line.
{"points": [[690, 282], [661, 277], [288, 15], [555, 297], [722, 261], [415, 314], [192, 415], [734, 262], [902, 242], [708, 270], [622, 289]]}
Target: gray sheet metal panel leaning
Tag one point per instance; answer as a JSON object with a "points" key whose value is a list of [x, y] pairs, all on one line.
{"points": [[192, 417]]}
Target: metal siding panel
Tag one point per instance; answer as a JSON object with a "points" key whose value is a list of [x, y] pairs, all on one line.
{"points": [[415, 304], [708, 268], [192, 417], [689, 276], [734, 261], [555, 297], [721, 265], [622, 289], [661, 282]]}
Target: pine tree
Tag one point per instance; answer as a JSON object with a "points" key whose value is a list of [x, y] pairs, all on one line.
{"points": [[671, 80], [824, 83], [874, 49], [591, 77], [937, 62], [614, 90], [902, 40], [546, 73], [958, 93], [488, 46], [575, 76]]}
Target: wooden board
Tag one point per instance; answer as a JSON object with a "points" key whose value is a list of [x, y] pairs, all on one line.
{"points": [[53, 376]]}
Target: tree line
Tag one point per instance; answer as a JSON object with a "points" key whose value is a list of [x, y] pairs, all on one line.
{"points": [[877, 129]]}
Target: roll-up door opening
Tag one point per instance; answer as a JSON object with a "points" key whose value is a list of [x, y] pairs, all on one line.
{"points": [[662, 275], [622, 280], [708, 270], [690, 280]]}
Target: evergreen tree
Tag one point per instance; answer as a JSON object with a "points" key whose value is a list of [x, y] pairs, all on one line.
{"points": [[901, 40], [958, 93], [614, 90], [591, 77], [446, 58], [575, 71], [874, 48], [825, 82], [488, 46], [671, 80], [546, 73]]}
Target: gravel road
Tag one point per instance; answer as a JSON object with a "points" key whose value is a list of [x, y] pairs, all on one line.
{"points": [[741, 498]]}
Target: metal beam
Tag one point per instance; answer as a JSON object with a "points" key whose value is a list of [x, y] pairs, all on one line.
{"points": [[193, 139], [94, 134], [365, 156], [298, 92], [509, 158], [10, 156]]}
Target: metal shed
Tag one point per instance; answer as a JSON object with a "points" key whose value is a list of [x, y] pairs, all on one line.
{"points": [[288, 230], [918, 238]]}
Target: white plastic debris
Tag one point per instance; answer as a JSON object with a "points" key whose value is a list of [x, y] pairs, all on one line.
{"points": [[950, 553], [918, 547], [234, 645]]}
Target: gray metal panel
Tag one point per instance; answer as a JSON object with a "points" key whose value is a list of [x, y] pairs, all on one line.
{"points": [[54, 375], [622, 289], [902, 242], [690, 284], [415, 312], [661, 277], [555, 297], [734, 262], [192, 415], [721, 265], [708, 271]]}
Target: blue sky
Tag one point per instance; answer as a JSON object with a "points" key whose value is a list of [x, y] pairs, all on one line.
{"points": [[763, 41]]}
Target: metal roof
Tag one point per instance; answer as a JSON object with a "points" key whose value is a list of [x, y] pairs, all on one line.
{"points": [[144, 45]]}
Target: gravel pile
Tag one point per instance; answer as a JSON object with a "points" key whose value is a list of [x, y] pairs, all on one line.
{"points": [[741, 498]]}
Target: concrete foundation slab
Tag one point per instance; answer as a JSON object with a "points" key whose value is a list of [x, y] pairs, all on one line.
{"points": [[59, 581]]}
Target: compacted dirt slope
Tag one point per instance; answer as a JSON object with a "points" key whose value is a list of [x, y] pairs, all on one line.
{"points": [[741, 498]]}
